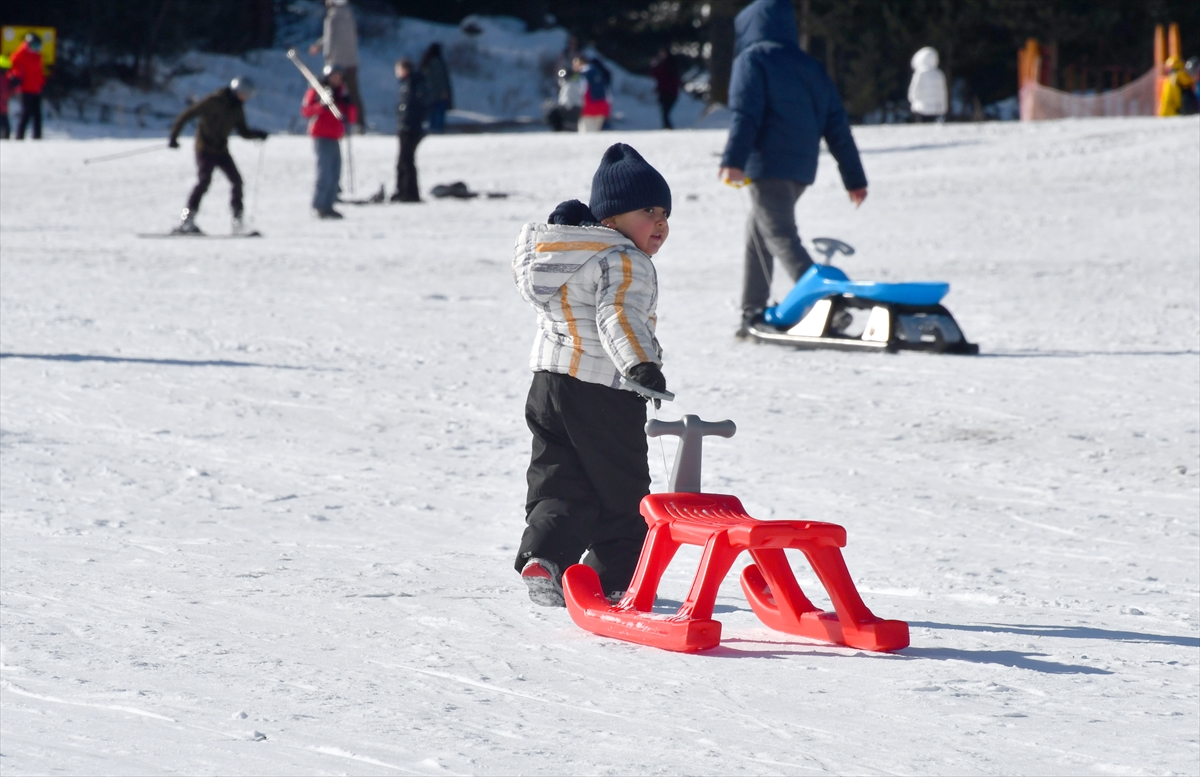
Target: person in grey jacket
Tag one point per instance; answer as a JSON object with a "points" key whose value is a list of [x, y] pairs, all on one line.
{"points": [[339, 45], [783, 103]]}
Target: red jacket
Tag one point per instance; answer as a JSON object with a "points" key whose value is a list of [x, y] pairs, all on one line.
{"points": [[27, 66], [321, 121]]}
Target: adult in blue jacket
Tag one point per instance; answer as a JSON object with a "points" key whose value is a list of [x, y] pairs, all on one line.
{"points": [[783, 102]]}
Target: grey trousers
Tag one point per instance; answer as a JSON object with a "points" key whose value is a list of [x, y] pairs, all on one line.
{"points": [[329, 170], [771, 233]]}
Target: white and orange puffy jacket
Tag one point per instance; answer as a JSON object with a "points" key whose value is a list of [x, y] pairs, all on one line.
{"points": [[596, 296]]}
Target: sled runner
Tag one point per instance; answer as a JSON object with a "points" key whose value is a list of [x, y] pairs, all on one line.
{"points": [[720, 524], [828, 310]]}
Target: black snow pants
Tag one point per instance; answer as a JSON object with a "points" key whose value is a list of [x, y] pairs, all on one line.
{"points": [[31, 113], [586, 478], [406, 169], [205, 162]]}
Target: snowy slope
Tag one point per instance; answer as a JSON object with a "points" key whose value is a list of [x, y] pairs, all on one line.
{"points": [[500, 73], [259, 499]]}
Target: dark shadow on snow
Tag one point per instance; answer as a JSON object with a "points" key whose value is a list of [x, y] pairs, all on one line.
{"points": [[79, 357], [1077, 354], [1014, 658], [670, 607], [918, 147], [1067, 632]]}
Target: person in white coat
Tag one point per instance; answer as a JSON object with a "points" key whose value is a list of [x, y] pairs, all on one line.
{"points": [[927, 90]]}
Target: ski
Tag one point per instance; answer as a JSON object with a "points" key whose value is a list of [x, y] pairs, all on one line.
{"points": [[255, 233]]}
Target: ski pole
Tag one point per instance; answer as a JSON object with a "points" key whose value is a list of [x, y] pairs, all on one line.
{"points": [[262, 147], [350, 160], [123, 154]]}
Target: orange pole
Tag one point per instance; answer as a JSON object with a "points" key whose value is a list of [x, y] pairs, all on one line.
{"points": [[1160, 56], [1173, 47]]}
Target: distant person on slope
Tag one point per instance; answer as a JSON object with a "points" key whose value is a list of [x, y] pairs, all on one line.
{"points": [[410, 115], [28, 72], [783, 102], [339, 46], [1178, 90], [326, 130], [437, 84], [666, 82], [6, 88], [597, 102], [217, 115], [589, 275], [927, 90]]}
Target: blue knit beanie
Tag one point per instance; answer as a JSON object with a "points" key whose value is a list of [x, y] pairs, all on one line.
{"points": [[624, 182]]}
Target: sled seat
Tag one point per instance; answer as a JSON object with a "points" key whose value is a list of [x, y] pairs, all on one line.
{"points": [[823, 280], [719, 523]]}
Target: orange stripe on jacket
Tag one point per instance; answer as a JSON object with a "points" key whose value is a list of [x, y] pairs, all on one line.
{"points": [[577, 354], [569, 246], [619, 304]]}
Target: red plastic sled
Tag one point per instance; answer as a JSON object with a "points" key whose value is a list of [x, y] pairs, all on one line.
{"points": [[719, 524]]}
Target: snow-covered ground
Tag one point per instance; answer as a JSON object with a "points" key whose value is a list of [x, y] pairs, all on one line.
{"points": [[500, 72], [260, 498]]}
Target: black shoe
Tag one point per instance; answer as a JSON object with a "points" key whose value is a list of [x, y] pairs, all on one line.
{"points": [[327, 214]]}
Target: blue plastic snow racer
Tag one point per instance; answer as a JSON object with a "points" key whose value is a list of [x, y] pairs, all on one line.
{"points": [[828, 310]]}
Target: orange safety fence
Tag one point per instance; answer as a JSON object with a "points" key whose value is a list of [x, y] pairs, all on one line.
{"points": [[1137, 98]]}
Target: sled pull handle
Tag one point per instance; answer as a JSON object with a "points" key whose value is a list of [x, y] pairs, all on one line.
{"points": [[691, 431], [829, 247]]}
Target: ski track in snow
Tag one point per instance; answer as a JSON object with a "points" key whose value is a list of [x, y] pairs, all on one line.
{"points": [[260, 498]]}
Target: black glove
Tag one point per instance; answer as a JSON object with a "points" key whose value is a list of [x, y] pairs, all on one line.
{"points": [[573, 213], [260, 135], [648, 375], [173, 143]]}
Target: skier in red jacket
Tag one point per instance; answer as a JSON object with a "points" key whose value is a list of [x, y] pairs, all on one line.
{"points": [[27, 67], [326, 130]]}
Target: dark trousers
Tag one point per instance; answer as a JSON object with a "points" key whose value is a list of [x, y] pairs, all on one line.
{"points": [[406, 168], [666, 102], [350, 80], [5, 128], [329, 172], [771, 233], [31, 111], [587, 476], [205, 162]]}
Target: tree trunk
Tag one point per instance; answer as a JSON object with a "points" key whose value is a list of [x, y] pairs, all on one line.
{"points": [[720, 63]]}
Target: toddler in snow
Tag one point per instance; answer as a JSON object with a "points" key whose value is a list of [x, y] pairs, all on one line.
{"points": [[588, 273]]}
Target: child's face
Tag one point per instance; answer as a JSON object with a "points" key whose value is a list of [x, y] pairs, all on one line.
{"points": [[647, 228]]}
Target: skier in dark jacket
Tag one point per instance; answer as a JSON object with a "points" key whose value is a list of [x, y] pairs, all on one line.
{"points": [[410, 115], [783, 102], [217, 115]]}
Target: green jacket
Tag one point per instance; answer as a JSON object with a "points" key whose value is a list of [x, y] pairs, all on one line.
{"points": [[218, 114]]}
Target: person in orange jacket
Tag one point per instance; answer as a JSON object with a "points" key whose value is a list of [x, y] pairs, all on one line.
{"points": [[27, 67], [326, 130]]}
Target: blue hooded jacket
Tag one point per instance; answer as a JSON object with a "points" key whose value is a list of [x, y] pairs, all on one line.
{"points": [[783, 102]]}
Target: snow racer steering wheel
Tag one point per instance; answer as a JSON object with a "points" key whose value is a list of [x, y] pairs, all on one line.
{"points": [[829, 246]]}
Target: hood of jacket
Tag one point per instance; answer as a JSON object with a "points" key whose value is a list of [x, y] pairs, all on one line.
{"points": [[925, 59], [547, 255], [771, 21]]}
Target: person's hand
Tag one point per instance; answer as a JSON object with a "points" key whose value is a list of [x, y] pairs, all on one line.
{"points": [[173, 143], [648, 375], [313, 49], [734, 176], [260, 135], [858, 195]]}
